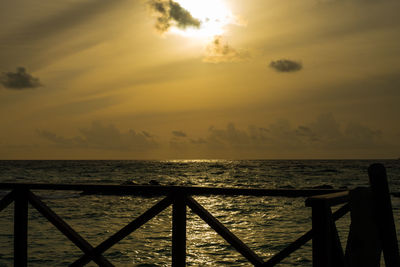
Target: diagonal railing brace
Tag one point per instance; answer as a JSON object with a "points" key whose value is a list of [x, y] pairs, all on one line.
{"points": [[224, 232], [125, 231], [67, 230], [7, 200]]}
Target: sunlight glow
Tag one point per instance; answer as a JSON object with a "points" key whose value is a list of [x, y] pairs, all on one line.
{"points": [[213, 14]]}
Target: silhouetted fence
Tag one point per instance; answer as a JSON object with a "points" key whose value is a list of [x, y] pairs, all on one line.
{"points": [[326, 244], [372, 229]]}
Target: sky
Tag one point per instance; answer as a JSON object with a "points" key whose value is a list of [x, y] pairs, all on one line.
{"points": [[191, 79]]}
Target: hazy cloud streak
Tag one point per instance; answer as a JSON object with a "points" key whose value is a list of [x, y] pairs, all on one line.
{"points": [[73, 17]]}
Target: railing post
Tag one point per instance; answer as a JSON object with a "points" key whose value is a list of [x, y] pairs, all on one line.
{"points": [[384, 214], [179, 230], [21, 227], [322, 234]]}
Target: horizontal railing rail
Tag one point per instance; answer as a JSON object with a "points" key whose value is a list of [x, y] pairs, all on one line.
{"points": [[165, 190], [328, 200], [179, 197]]}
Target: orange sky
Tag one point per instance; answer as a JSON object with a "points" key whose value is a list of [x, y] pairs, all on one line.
{"points": [[125, 79]]}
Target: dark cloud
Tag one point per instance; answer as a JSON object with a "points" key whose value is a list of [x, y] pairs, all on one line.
{"points": [[170, 13], [99, 136], [179, 134], [18, 80], [218, 51], [285, 65]]}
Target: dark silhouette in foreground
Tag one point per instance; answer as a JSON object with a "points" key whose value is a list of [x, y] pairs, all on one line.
{"points": [[372, 229]]}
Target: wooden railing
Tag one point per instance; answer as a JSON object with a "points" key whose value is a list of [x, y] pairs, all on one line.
{"points": [[326, 246], [179, 197], [373, 225]]}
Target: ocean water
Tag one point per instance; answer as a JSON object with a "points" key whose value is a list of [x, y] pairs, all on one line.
{"points": [[265, 224]]}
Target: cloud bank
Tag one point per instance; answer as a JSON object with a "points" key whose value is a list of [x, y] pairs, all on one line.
{"points": [[18, 80], [169, 13], [285, 65], [218, 51], [323, 137], [323, 133], [100, 136]]}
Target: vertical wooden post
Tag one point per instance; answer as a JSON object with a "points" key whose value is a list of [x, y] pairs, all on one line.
{"points": [[179, 230], [322, 235], [21, 227], [384, 215], [363, 242]]}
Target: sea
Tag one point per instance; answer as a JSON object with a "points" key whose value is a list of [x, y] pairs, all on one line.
{"points": [[266, 224]]}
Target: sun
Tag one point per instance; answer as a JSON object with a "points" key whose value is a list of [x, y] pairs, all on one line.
{"points": [[214, 16]]}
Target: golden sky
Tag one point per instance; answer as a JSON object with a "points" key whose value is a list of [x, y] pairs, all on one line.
{"points": [[137, 79]]}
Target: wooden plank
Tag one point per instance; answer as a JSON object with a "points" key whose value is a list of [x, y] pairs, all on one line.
{"points": [[224, 232], [384, 214], [329, 199], [67, 230], [6, 200], [179, 230], [363, 244], [165, 190], [21, 228], [125, 231], [322, 235]]}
